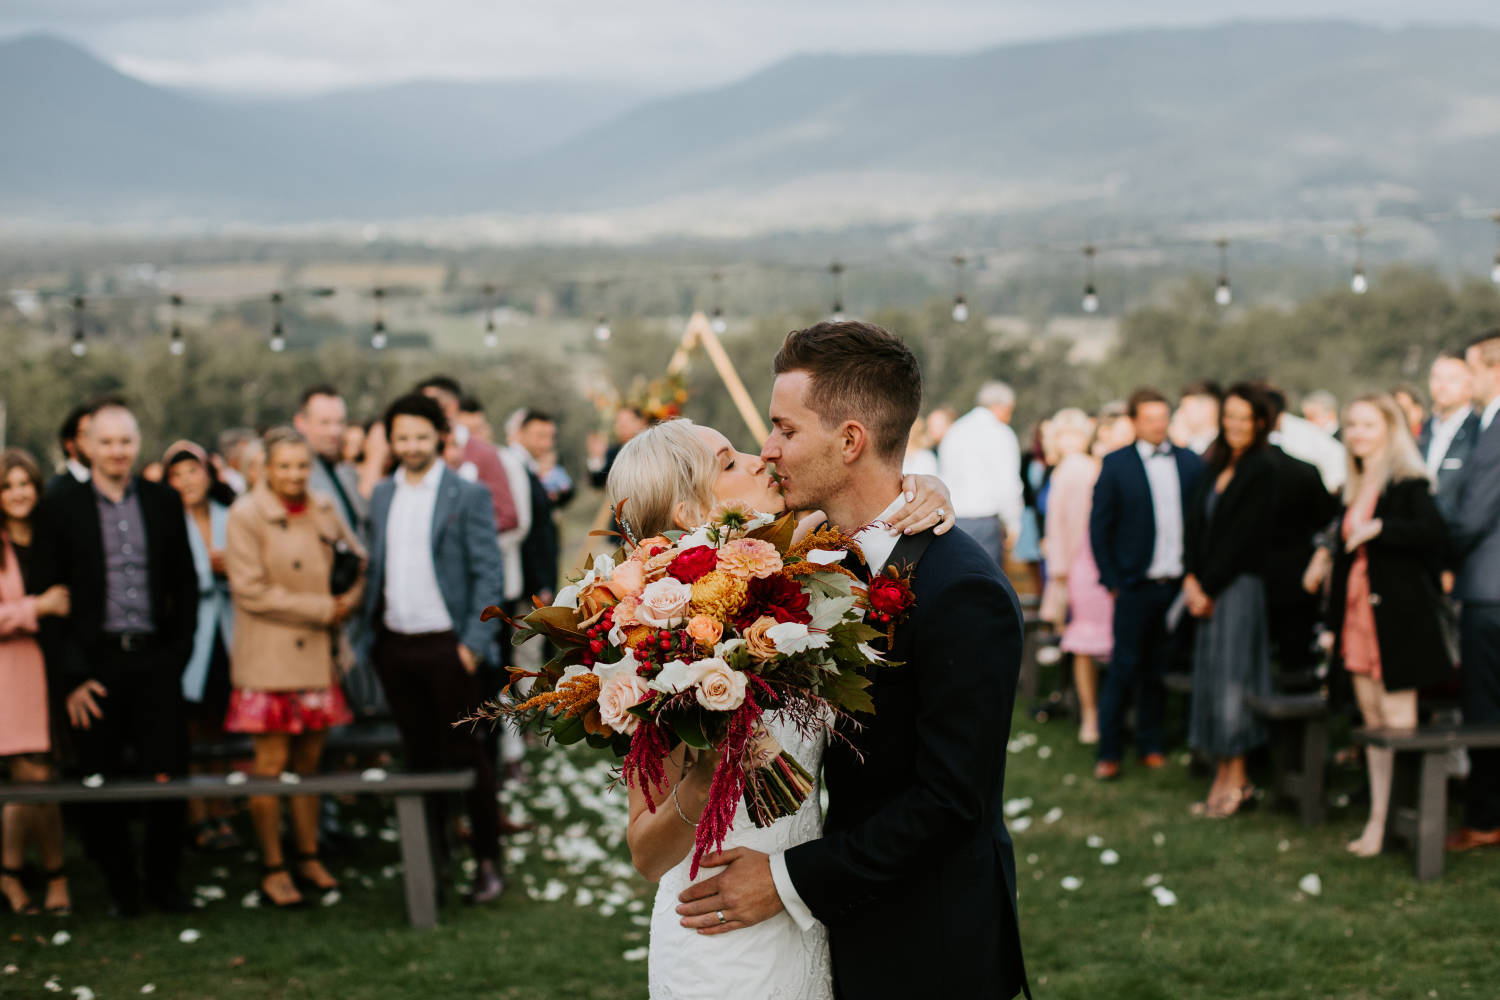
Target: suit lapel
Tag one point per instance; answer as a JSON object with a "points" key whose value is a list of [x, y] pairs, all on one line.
{"points": [[90, 534], [447, 502]]}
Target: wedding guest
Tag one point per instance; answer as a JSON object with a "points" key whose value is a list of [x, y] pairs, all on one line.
{"points": [[153, 472], [1303, 440], [119, 544], [1035, 470], [628, 422], [1474, 527], [939, 421], [1136, 533], [26, 744], [1384, 594], [1228, 522], [1195, 425], [353, 450], [321, 420], [73, 439], [1300, 510], [1409, 398], [921, 458], [533, 438], [980, 460], [486, 467], [235, 447], [434, 567], [375, 461], [1074, 600], [1321, 409], [1447, 438], [205, 679], [288, 647], [1114, 430]]}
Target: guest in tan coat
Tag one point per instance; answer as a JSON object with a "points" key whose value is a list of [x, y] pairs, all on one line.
{"points": [[288, 648]]}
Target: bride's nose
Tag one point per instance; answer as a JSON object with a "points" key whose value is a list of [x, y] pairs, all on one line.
{"points": [[756, 464]]}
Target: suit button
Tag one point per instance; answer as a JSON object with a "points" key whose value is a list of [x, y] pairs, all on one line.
{"points": [[1375, 600], [301, 643]]}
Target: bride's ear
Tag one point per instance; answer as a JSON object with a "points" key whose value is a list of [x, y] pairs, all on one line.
{"points": [[682, 517]]}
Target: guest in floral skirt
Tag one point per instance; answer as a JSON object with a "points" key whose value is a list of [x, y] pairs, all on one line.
{"points": [[288, 647]]}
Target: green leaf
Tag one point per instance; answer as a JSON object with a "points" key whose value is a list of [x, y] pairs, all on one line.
{"points": [[568, 730], [689, 729], [847, 690]]}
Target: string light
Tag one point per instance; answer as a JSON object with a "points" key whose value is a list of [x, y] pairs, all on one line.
{"points": [[278, 335], [378, 339], [1359, 284], [491, 339], [836, 272], [1090, 293], [718, 324], [175, 345], [1222, 295], [80, 346], [1495, 271], [960, 307]]}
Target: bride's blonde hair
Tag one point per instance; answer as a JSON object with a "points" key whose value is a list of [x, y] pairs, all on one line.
{"points": [[664, 474]]}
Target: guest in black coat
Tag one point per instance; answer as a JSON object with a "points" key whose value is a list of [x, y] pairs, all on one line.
{"points": [[1384, 590], [1228, 525], [119, 544]]}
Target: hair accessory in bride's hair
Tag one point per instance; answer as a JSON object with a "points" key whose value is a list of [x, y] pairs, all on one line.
{"points": [[625, 529]]}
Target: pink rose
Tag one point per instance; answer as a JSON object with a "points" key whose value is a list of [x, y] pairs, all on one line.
{"points": [[705, 631], [720, 688], [618, 694], [664, 603]]}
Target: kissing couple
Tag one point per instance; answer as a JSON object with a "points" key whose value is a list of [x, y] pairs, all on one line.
{"points": [[908, 887]]}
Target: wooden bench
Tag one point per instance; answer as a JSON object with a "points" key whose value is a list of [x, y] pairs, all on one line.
{"points": [[1419, 787], [360, 738], [407, 789], [1299, 749]]}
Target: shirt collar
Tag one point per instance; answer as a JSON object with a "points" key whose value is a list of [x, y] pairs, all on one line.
{"points": [[1148, 451], [1455, 421], [430, 478], [79, 471], [876, 540], [128, 495], [1489, 413]]}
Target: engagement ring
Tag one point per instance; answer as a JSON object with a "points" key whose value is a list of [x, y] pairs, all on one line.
{"points": [[723, 919]]}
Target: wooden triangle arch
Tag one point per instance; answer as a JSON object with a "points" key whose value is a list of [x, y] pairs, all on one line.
{"points": [[699, 333]]}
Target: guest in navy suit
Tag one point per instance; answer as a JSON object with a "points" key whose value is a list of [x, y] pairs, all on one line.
{"points": [[1447, 438], [1136, 529]]}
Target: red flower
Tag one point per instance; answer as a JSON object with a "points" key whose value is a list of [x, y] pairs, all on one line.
{"points": [[890, 596], [693, 564], [776, 597]]}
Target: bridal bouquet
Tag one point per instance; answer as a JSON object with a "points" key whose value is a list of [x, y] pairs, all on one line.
{"points": [[692, 637]]}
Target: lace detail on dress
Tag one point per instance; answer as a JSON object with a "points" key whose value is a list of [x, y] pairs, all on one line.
{"points": [[775, 959]]}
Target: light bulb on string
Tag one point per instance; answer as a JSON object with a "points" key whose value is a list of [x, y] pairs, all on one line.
{"points": [[378, 338], [175, 344], [960, 306], [1090, 293], [80, 346], [1359, 284], [602, 332], [717, 323], [1495, 271], [1222, 295], [836, 272], [491, 339], [278, 337]]}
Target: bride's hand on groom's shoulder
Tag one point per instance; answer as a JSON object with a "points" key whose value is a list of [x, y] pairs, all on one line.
{"points": [[741, 895], [929, 505]]}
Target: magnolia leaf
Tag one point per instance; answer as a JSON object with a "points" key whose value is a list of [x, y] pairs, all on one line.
{"points": [[689, 729], [561, 624], [568, 729], [779, 532]]}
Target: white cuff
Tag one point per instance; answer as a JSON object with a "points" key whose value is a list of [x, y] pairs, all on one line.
{"points": [[795, 908]]}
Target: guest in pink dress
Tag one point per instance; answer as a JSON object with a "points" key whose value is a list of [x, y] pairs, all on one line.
{"points": [[25, 730], [1074, 600]]}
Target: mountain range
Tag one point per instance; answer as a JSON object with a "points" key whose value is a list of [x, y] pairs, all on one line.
{"points": [[1253, 118]]}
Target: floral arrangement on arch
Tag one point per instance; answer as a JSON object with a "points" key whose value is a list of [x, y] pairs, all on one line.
{"points": [[692, 637]]}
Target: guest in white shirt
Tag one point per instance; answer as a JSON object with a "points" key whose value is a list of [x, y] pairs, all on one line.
{"points": [[1195, 425], [1300, 438], [980, 461], [1321, 409], [434, 567]]}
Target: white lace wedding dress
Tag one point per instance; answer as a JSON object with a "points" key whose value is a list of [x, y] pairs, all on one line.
{"points": [[773, 960]]}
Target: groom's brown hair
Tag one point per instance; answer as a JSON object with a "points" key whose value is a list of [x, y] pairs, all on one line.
{"points": [[859, 372]]}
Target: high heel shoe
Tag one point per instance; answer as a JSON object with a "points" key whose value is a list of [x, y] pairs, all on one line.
{"points": [[58, 874], [24, 908]]}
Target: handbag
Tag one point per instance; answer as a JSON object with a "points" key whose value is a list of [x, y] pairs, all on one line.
{"points": [[347, 566]]}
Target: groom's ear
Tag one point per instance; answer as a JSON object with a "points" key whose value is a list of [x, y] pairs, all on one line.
{"points": [[854, 441]]}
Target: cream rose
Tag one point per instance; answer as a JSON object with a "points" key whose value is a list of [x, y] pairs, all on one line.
{"points": [[664, 603], [618, 694], [720, 688], [757, 643]]}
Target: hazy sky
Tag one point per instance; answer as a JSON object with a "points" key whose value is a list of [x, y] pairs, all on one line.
{"points": [[309, 45]]}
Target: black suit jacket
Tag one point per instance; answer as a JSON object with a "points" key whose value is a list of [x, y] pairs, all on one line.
{"points": [[69, 549], [1122, 522], [915, 875], [1231, 542], [1301, 507], [540, 549], [1455, 459]]}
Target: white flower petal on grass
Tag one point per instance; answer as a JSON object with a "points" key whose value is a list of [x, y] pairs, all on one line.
{"points": [[1095, 841], [189, 936], [94, 781], [11, 970], [1071, 883], [1070, 780], [1044, 752], [641, 920], [1311, 884], [636, 954], [209, 891], [1151, 881], [1159, 839], [1109, 857], [52, 985], [83, 993], [1032, 859], [1164, 896], [1053, 815], [1020, 824], [235, 778], [389, 836], [372, 774], [220, 873], [1284, 846], [149, 988], [61, 938], [1048, 655], [1016, 807], [330, 898], [250, 900]]}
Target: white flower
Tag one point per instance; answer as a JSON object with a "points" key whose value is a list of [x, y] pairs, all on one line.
{"points": [[330, 897], [1095, 841], [572, 670], [189, 936], [11, 970], [1283, 846], [1053, 815], [1159, 839], [604, 671], [288, 778], [695, 538], [567, 597], [1311, 884], [664, 603], [1016, 807], [235, 778], [604, 568], [675, 677], [826, 557], [1151, 881], [794, 637], [1164, 896], [250, 900], [149, 988], [1109, 857], [83, 993], [1020, 824], [1071, 884]]}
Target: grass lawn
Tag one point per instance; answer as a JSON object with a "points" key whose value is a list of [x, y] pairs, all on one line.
{"points": [[573, 923]]}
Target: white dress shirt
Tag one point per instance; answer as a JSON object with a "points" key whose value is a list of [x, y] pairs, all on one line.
{"points": [[876, 542], [1304, 439], [1488, 417], [922, 462], [510, 541], [81, 472], [1166, 504], [1442, 437], [980, 460], [413, 599]]}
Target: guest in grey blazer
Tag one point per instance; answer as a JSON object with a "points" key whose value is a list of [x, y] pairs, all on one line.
{"points": [[435, 565], [1474, 528], [1448, 436]]}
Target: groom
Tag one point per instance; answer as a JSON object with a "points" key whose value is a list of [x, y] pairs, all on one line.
{"points": [[914, 875]]}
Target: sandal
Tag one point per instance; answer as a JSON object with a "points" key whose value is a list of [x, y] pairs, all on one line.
{"points": [[324, 885], [58, 874], [24, 908], [1244, 798], [283, 904]]}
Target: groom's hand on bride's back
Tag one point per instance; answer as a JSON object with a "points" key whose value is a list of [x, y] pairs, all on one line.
{"points": [[743, 892]]}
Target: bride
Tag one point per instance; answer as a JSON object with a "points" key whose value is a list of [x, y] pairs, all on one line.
{"points": [[671, 475]]}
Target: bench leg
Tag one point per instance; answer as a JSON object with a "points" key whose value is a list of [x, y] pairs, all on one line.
{"points": [[1314, 799], [1432, 816], [416, 862]]}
